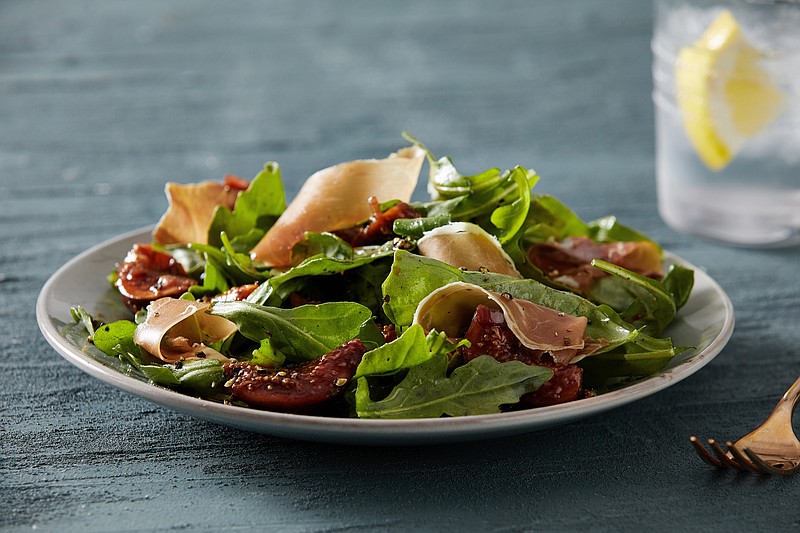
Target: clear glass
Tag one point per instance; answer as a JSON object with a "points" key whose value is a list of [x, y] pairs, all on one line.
{"points": [[755, 199]]}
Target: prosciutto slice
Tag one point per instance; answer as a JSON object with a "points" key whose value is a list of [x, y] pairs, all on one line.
{"points": [[451, 309], [338, 197], [569, 261], [467, 246], [179, 329], [191, 208]]}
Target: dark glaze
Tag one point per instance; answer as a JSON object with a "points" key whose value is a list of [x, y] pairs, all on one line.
{"points": [[148, 274], [379, 227], [235, 294], [297, 389]]}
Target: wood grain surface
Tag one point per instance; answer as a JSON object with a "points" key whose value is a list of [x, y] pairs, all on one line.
{"points": [[102, 102]]}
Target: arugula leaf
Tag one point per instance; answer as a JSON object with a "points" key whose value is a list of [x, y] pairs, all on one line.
{"points": [[275, 290], [603, 368], [609, 229], [301, 334], [652, 304], [160, 375], [643, 301], [410, 349], [256, 208], [497, 201], [323, 243], [679, 281], [509, 218], [80, 315], [549, 218], [481, 386], [416, 227], [267, 356], [203, 377], [116, 338], [214, 281], [224, 268], [438, 343]]}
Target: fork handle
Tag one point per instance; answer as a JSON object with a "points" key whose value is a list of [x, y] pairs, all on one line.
{"points": [[793, 394], [785, 408]]}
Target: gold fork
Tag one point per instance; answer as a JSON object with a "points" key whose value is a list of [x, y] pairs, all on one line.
{"points": [[772, 448]]}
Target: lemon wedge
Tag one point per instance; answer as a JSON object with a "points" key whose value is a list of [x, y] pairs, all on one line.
{"points": [[724, 94]]}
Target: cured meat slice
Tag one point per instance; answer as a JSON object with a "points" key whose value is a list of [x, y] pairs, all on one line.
{"points": [[338, 197], [191, 208], [178, 329], [451, 309], [569, 261], [467, 246]]}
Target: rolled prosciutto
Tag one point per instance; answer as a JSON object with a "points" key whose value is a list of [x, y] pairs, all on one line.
{"points": [[338, 197], [467, 246]]}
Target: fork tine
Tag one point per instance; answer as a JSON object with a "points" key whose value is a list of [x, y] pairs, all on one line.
{"points": [[724, 457], [703, 453], [741, 459], [768, 468]]}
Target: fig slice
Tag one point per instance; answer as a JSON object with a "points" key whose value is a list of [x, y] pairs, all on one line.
{"points": [[299, 388]]}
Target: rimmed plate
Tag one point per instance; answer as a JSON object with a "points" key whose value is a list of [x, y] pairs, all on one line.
{"points": [[705, 322]]}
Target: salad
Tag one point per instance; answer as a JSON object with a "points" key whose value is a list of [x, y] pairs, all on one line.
{"points": [[355, 301]]}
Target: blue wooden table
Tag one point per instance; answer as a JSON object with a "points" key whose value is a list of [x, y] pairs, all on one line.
{"points": [[101, 103]]}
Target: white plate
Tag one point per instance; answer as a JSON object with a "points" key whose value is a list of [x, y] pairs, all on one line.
{"points": [[705, 322]]}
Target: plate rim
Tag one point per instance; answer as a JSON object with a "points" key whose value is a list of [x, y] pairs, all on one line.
{"points": [[372, 431]]}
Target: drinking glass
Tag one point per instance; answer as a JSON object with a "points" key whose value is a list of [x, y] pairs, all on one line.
{"points": [[726, 78]]}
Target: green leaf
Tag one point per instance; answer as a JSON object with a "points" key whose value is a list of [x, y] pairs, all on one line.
{"points": [[652, 305], [679, 281], [438, 342], [214, 281], [257, 207], [608, 229], [509, 218], [116, 338], [160, 375], [80, 315], [240, 262], [203, 377], [410, 349], [548, 218], [223, 268], [497, 201], [416, 227], [275, 290], [481, 386], [602, 368], [301, 334], [324, 244], [265, 355]]}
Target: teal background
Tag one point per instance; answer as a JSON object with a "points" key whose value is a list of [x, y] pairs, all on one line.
{"points": [[101, 103]]}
